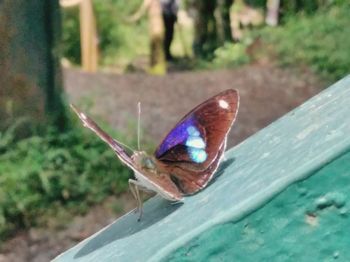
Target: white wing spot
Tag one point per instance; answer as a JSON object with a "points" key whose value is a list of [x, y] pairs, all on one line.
{"points": [[196, 142], [197, 155], [83, 116], [223, 104]]}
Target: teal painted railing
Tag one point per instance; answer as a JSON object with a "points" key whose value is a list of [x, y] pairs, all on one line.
{"points": [[209, 225]]}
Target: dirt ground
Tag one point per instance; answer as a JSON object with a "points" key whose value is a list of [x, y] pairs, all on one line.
{"points": [[267, 93]]}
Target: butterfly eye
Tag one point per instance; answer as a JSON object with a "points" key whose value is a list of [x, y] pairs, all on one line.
{"points": [[148, 163]]}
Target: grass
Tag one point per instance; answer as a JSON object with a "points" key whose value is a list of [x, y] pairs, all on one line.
{"points": [[41, 175]]}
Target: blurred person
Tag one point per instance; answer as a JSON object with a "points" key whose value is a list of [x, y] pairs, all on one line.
{"points": [[156, 32], [169, 12]]}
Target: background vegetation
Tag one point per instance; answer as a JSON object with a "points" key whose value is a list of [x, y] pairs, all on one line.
{"points": [[42, 174], [119, 40], [317, 37], [319, 40], [312, 33]]}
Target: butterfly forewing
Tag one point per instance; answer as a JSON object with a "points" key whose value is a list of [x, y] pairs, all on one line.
{"points": [[197, 138], [192, 150]]}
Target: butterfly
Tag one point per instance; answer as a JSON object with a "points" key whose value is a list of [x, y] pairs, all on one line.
{"points": [[187, 158]]}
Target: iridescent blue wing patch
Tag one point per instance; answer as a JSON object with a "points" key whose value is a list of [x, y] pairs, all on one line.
{"points": [[186, 136], [195, 145]]}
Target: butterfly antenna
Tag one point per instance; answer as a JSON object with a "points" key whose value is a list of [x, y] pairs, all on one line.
{"points": [[139, 125], [128, 147]]}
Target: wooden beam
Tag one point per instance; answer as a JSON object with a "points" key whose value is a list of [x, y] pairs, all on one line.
{"points": [[88, 36]]}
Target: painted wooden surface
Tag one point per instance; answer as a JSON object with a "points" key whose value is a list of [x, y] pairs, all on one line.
{"points": [[289, 150], [309, 221]]}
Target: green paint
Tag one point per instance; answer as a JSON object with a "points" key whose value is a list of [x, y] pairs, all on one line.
{"points": [[257, 170], [309, 221]]}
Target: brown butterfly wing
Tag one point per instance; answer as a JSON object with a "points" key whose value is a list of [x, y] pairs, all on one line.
{"points": [[190, 181], [115, 145], [161, 183], [206, 127]]}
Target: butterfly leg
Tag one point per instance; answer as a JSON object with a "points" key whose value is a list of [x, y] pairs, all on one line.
{"points": [[134, 188]]}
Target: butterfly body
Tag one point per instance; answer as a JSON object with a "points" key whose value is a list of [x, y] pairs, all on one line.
{"points": [[150, 177], [187, 158]]}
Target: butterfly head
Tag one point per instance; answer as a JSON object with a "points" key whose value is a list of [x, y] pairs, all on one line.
{"points": [[143, 160]]}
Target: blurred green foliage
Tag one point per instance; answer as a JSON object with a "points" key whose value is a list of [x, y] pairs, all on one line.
{"points": [[313, 32], [41, 174], [229, 55], [119, 40], [320, 40], [310, 7]]}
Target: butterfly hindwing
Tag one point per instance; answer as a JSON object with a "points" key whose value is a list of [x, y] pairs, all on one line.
{"points": [[190, 181]]}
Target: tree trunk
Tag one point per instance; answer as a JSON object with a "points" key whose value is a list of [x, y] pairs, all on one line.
{"points": [[30, 82], [225, 21], [205, 40], [88, 36]]}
